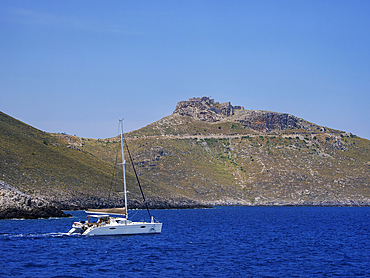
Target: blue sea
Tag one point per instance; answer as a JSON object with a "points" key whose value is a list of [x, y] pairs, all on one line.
{"points": [[218, 242]]}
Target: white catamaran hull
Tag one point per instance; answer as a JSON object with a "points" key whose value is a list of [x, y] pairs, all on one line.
{"points": [[115, 226], [129, 229]]}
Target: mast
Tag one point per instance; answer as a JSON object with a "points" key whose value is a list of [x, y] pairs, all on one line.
{"points": [[123, 168]]}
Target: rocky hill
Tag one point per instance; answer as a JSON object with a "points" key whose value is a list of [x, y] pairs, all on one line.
{"points": [[204, 153], [219, 154]]}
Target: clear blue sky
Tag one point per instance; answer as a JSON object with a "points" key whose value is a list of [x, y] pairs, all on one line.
{"points": [[79, 66]]}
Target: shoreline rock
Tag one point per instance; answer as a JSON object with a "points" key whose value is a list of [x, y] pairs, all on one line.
{"points": [[16, 204]]}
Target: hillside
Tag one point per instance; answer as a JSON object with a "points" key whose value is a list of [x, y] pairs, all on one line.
{"points": [[220, 154], [44, 166], [205, 152]]}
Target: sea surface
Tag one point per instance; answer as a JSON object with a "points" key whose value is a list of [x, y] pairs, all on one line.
{"points": [[218, 242]]}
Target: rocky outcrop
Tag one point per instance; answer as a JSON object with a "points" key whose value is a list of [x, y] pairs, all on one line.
{"points": [[16, 204], [265, 121], [206, 109]]}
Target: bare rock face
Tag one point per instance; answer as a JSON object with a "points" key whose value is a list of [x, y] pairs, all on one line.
{"points": [[16, 204], [206, 109], [265, 121]]}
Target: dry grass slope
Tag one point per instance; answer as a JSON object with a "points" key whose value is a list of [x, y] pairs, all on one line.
{"points": [[40, 164], [180, 159]]}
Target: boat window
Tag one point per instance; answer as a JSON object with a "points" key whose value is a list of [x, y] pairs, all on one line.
{"points": [[112, 228], [142, 227]]}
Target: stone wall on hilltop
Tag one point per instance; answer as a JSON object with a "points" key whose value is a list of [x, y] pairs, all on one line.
{"points": [[206, 109]]}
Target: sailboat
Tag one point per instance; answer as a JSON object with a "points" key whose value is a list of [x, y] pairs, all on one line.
{"points": [[115, 221]]}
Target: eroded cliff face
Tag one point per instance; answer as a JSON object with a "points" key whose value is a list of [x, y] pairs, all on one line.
{"points": [[206, 109], [265, 121]]}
